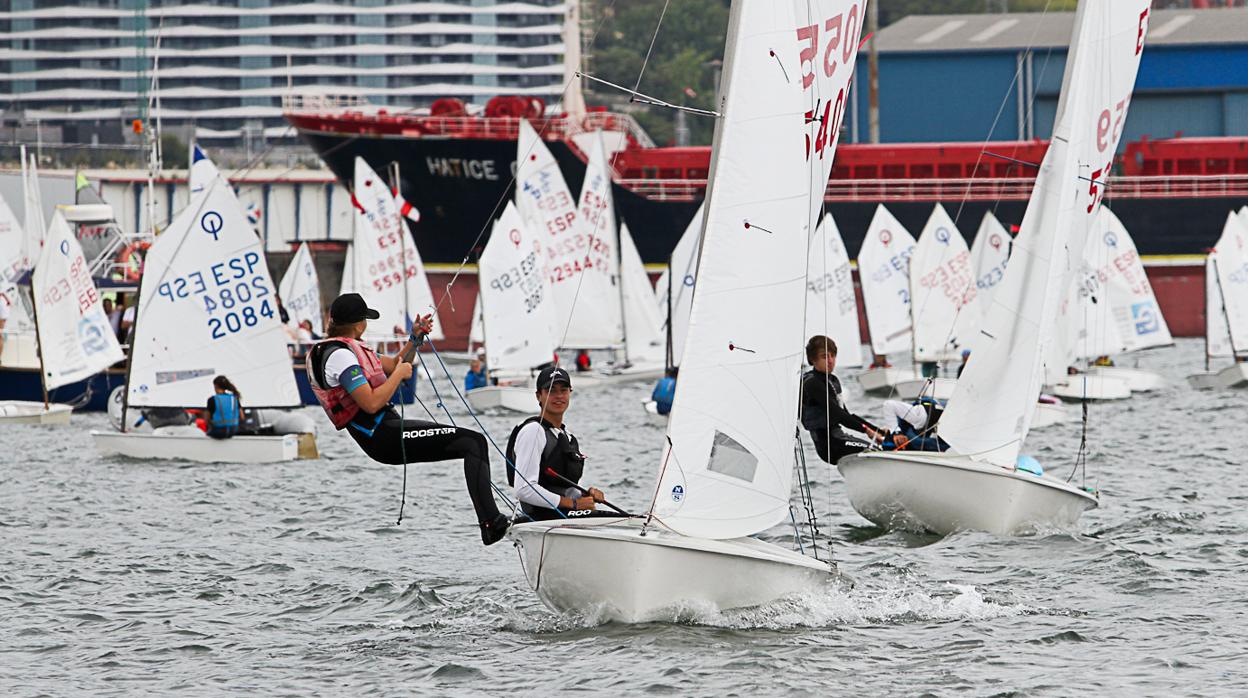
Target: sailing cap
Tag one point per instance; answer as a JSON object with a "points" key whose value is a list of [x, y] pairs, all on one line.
{"points": [[349, 308], [551, 375]]}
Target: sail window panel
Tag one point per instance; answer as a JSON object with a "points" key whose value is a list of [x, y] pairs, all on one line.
{"points": [[728, 457]]}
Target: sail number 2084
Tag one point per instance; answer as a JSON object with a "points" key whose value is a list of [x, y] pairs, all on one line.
{"points": [[232, 292]]}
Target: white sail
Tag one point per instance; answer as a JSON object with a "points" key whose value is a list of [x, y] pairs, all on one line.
{"points": [[1232, 268], [990, 253], [643, 325], [1133, 306], [1217, 334], [728, 472], [943, 309], [388, 271], [347, 285], [515, 303], [831, 305], [884, 270], [34, 224], [301, 291], [75, 338], [12, 268], [206, 308], [990, 412], [684, 265], [577, 261], [476, 334]]}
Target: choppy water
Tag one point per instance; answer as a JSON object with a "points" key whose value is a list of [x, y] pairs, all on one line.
{"points": [[133, 577]]}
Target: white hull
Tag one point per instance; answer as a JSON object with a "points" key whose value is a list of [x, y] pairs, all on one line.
{"points": [[880, 381], [944, 493], [502, 397], [605, 569], [1091, 387], [190, 444], [1138, 380], [912, 389], [613, 376], [1233, 376], [1048, 413], [26, 412]]}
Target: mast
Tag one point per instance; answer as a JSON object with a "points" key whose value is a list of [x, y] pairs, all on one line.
{"points": [[1230, 336], [671, 360], [403, 233], [619, 277], [43, 373]]}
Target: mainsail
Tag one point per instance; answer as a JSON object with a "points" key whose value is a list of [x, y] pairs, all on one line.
{"points": [[990, 253], [990, 412], [206, 308], [301, 290], [831, 305], [643, 338], [728, 470], [76, 340], [515, 303], [942, 291], [884, 270], [1231, 257]]}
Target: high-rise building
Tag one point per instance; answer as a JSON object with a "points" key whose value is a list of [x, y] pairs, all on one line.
{"points": [[219, 69]]}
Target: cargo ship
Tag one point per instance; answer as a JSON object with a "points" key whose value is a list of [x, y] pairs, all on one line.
{"points": [[1173, 195]]}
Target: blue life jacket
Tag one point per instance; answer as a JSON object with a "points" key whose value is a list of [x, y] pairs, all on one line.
{"points": [[664, 393], [475, 379], [225, 416]]}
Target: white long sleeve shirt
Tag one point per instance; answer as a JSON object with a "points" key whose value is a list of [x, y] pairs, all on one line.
{"points": [[530, 443]]}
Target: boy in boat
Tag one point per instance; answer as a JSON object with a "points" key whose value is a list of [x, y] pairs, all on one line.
{"points": [[547, 458], [354, 386], [823, 412]]}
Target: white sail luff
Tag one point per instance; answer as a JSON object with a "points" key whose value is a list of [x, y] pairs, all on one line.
{"points": [[831, 305], [943, 293], [884, 270], [990, 254], [76, 340]]}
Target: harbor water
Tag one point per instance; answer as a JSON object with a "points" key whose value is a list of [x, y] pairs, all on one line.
{"points": [[127, 577]]}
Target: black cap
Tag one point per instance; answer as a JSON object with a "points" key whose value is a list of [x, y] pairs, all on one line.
{"points": [[551, 375], [350, 307]]}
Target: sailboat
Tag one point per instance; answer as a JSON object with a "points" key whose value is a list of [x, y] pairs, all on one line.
{"points": [[726, 473], [21, 246], [979, 484], [943, 304], [206, 308], [831, 304], [1117, 281], [301, 291], [515, 308], [1226, 308], [75, 340], [884, 271]]}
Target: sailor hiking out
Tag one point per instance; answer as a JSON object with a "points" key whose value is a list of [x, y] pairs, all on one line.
{"points": [[824, 413], [548, 463], [354, 386]]}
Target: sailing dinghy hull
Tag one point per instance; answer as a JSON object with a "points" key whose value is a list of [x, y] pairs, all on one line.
{"points": [[881, 381], [606, 569], [1138, 380], [190, 444], [943, 493], [913, 389], [501, 397], [1234, 376], [24, 412], [1091, 387]]}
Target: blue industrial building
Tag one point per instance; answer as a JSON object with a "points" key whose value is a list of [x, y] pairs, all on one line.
{"points": [[997, 77]]}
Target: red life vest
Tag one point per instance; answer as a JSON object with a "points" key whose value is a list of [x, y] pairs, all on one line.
{"points": [[336, 401]]}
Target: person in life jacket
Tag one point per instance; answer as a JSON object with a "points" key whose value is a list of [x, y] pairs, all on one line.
{"points": [[542, 444], [665, 391], [912, 425], [354, 386], [225, 409], [823, 410], [476, 377], [582, 361]]}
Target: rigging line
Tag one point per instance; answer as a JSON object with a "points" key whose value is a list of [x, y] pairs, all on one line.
{"points": [[642, 98], [653, 40]]}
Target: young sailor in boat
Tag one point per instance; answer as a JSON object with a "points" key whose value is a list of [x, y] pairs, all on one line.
{"points": [[225, 409], [912, 426], [475, 378], [665, 391], [354, 386], [824, 413], [542, 444]]}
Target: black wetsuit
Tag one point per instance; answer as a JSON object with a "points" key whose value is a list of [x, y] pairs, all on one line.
{"points": [[825, 416]]}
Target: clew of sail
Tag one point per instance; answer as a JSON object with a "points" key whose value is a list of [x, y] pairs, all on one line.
{"points": [[515, 301], [76, 340], [831, 306], [884, 269], [387, 271], [728, 470], [206, 308], [943, 294], [301, 291], [990, 412]]}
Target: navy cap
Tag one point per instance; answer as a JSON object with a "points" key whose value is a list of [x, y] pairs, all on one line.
{"points": [[551, 375], [349, 308]]}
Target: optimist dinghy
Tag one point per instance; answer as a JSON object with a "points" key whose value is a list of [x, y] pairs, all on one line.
{"points": [[727, 472], [206, 308], [1226, 309], [884, 268], [981, 482]]}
